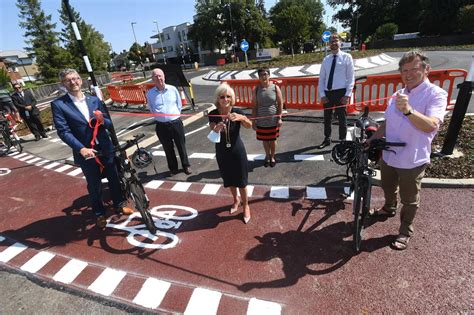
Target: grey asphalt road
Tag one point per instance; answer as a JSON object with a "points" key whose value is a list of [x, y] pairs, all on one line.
{"points": [[18, 295]]}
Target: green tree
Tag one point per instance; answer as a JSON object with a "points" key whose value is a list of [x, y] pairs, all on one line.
{"points": [[136, 53], [4, 77], [386, 31], [466, 19], [297, 21], [440, 16], [42, 40], [213, 26], [97, 49]]}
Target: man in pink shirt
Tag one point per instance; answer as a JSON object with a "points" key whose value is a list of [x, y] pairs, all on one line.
{"points": [[413, 116]]}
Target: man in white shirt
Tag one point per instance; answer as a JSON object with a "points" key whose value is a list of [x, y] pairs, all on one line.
{"points": [[164, 100], [336, 81], [74, 116]]}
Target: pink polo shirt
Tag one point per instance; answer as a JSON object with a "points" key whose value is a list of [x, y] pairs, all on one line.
{"points": [[431, 101]]}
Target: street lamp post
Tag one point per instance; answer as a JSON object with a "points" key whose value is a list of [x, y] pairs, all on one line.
{"points": [[232, 31], [161, 41], [139, 53]]}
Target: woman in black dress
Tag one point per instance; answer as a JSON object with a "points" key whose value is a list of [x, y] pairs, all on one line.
{"points": [[230, 151]]}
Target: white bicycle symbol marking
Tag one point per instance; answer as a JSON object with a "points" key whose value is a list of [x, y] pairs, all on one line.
{"points": [[5, 171], [163, 221]]}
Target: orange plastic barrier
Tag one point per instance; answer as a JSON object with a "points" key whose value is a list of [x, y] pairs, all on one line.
{"points": [[114, 92], [133, 94], [377, 87], [302, 93]]}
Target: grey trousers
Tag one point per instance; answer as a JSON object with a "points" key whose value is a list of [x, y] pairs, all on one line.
{"points": [[408, 183]]}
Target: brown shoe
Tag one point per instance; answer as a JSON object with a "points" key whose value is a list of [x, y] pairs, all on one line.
{"points": [[101, 222], [188, 171], [124, 210]]}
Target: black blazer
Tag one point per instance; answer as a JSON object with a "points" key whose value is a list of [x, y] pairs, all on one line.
{"points": [[21, 102]]}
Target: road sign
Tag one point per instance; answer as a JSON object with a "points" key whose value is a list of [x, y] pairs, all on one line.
{"points": [[244, 45], [326, 36]]}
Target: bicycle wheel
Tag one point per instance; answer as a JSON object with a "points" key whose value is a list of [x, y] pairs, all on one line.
{"points": [[359, 192], [16, 143], [6, 140], [140, 200]]}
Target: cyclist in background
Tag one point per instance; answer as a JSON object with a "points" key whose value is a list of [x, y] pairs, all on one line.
{"points": [[413, 116], [75, 114], [6, 104]]}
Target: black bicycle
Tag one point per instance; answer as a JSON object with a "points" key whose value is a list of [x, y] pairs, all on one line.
{"points": [[356, 155], [9, 136], [132, 188]]}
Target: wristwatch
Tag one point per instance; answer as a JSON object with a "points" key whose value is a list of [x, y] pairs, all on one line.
{"points": [[411, 111]]}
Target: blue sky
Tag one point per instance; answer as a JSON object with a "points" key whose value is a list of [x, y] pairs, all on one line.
{"points": [[112, 18]]}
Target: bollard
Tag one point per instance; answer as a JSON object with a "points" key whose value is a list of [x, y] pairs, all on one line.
{"points": [[459, 112], [460, 109]]}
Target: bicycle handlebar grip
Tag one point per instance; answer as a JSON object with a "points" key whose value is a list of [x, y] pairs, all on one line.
{"points": [[139, 136]]}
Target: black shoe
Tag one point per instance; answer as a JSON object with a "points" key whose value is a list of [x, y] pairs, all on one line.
{"points": [[326, 143], [174, 172], [37, 138], [44, 136], [188, 171]]}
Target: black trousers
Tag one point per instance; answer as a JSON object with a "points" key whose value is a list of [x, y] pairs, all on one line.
{"points": [[33, 121], [171, 134], [91, 171], [334, 97]]}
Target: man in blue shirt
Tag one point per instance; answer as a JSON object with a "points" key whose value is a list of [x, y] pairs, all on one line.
{"points": [[336, 81], [164, 99]]}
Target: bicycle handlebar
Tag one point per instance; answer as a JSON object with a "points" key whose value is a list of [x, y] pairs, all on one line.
{"points": [[130, 143]]}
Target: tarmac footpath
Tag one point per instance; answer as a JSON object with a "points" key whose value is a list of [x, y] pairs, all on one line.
{"points": [[294, 257]]}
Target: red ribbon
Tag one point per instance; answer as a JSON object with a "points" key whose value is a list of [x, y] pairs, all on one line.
{"points": [[94, 136]]}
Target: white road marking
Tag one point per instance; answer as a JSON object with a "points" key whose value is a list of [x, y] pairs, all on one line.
{"points": [[203, 301], [76, 172], [20, 155], [33, 160], [70, 271], [255, 157], [55, 140], [181, 186], [11, 252], [129, 129], [152, 293], [13, 153], [50, 166], [249, 191], [210, 189], [23, 159], [158, 153], [63, 168], [42, 162], [108, 280], [209, 156], [37, 262], [257, 307], [316, 193], [309, 157], [154, 184], [280, 192]]}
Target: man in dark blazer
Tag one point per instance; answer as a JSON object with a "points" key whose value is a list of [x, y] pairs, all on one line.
{"points": [[74, 113], [25, 102]]}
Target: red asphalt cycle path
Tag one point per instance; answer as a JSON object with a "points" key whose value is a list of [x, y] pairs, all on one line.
{"points": [[295, 253]]}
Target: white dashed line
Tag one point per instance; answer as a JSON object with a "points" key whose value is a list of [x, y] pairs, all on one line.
{"points": [[210, 189], [203, 301], [280, 192], [11, 252], [70, 271], [152, 293], [316, 193], [181, 186], [108, 280], [37, 262], [154, 184]]}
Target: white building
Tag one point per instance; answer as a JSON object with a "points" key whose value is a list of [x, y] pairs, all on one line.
{"points": [[173, 44], [20, 65]]}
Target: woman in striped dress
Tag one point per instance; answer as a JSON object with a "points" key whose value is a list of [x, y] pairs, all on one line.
{"points": [[267, 104]]}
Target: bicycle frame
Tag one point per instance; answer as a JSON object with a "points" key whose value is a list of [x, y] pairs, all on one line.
{"points": [[130, 185]]}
